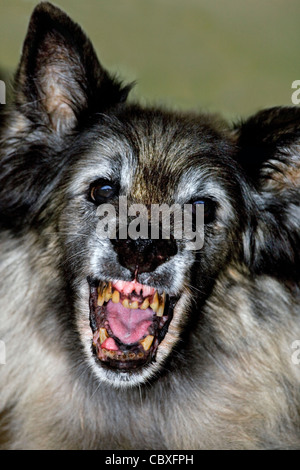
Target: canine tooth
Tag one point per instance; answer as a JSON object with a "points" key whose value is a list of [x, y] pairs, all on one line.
{"points": [[161, 307], [100, 301], [103, 335], [155, 304], [125, 303], [146, 342], [116, 297], [160, 311], [108, 292], [145, 304], [101, 287], [134, 305]]}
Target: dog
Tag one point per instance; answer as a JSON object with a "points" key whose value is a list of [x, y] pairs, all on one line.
{"points": [[132, 342]]}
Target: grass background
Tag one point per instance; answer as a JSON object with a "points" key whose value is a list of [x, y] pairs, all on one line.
{"points": [[231, 56]]}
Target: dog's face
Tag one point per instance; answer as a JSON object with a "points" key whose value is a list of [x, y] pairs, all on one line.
{"points": [[133, 297], [127, 301]]}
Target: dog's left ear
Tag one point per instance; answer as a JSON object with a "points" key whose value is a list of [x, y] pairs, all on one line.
{"points": [[59, 79], [269, 152]]}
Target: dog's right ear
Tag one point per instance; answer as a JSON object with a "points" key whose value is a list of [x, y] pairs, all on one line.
{"points": [[59, 80]]}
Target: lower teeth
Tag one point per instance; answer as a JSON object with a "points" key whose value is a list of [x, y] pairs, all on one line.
{"points": [[103, 335], [122, 356], [146, 342]]}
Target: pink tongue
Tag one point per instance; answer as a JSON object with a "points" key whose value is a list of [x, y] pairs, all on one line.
{"points": [[127, 324]]}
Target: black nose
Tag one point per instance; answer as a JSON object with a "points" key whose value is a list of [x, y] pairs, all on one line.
{"points": [[144, 255]]}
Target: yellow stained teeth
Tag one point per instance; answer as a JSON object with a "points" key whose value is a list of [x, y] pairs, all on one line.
{"points": [[101, 293], [161, 307], [145, 304], [108, 292], [104, 293], [160, 311], [127, 304], [100, 300], [146, 342], [102, 335], [134, 305], [155, 304], [100, 288], [116, 297]]}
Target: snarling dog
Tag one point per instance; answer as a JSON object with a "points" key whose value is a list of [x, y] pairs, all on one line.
{"points": [[142, 343]]}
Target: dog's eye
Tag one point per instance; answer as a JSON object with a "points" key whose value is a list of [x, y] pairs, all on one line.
{"points": [[102, 191], [209, 209]]}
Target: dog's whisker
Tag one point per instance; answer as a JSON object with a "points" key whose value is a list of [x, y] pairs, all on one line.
{"points": [[66, 234]]}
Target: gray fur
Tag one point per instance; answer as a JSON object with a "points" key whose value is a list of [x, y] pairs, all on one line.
{"points": [[223, 376]]}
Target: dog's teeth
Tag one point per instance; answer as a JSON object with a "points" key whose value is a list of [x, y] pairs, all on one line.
{"points": [[155, 304], [103, 335], [161, 308], [108, 292], [101, 293], [116, 297], [160, 311], [145, 304], [100, 300], [146, 342], [134, 305], [125, 303], [101, 287]]}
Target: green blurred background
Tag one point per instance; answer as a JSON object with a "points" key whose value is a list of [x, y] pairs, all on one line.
{"points": [[231, 56]]}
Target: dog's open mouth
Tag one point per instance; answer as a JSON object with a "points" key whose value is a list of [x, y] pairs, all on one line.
{"points": [[128, 320]]}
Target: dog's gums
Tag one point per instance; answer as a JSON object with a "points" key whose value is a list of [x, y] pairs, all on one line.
{"points": [[128, 320]]}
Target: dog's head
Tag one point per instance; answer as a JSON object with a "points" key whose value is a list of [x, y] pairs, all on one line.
{"points": [[74, 150]]}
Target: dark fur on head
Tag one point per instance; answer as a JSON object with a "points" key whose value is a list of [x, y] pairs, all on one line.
{"points": [[222, 376]]}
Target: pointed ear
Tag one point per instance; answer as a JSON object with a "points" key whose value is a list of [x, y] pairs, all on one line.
{"points": [[269, 152], [59, 79]]}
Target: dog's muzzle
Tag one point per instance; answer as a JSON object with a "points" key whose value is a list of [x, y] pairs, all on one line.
{"points": [[128, 320]]}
